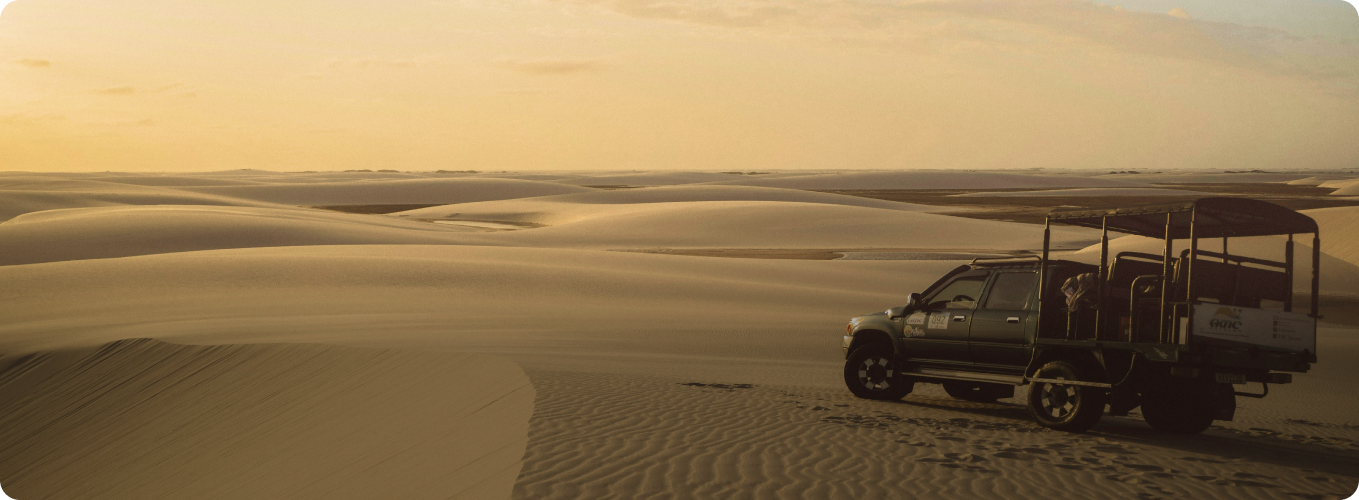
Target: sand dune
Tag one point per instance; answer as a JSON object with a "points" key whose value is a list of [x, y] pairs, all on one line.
{"points": [[750, 434], [1346, 189], [1339, 183], [1208, 178], [141, 419], [516, 209], [26, 194], [269, 176], [648, 179], [403, 191], [763, 224], [1320, 180], [173, 180], [737, 217], [101, 233], [929, 180], [1339, 232], [436, 295], [638, 362], [1086, 192], [656, 376]]}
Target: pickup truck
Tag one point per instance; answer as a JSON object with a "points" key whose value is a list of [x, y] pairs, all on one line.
{"points": [[1177, 334]]}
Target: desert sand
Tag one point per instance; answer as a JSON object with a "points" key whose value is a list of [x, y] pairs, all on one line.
{"points": [[1139, 192], [930, 180], [304, 353]]}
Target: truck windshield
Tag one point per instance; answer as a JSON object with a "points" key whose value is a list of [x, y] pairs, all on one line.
{"points": [[961, 293]]}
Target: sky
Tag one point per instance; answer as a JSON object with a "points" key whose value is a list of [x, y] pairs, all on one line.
{"points": [[199, 85]]}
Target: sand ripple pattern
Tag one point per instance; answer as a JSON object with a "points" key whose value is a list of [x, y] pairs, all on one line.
{"points": [[147, 420], [603, 436]]}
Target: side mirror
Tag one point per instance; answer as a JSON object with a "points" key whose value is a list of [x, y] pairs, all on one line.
{"points": [[913, 303]]}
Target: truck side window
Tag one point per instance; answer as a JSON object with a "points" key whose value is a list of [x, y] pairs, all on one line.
{"points": [[962, 293], [1011, 291]]}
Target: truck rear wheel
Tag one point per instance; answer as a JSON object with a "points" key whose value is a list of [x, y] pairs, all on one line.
{"points": [[872, 372], [1063, 407], [978, 392], [1186, 408]]}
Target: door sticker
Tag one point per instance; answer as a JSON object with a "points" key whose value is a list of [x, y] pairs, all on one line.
{"points": [[939, 321], [914, 331], [916, 319]]}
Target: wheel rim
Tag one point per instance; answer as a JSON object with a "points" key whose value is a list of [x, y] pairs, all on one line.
{"points": [[875, 373], [1058, 400]]}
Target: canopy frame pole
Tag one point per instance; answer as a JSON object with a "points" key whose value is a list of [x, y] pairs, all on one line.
{"points": [[1162, 332], [1103, 277], [1316, 275], [1288, 262], [1043, 271], [1189, 296]]}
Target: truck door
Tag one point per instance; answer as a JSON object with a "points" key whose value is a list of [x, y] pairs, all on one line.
{"points": [[998, 329], [942, 334]]}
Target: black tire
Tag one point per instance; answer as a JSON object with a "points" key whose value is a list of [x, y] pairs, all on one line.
{"points": [[1181, 407], [1070, 408], [872, 372], [978, 392]]}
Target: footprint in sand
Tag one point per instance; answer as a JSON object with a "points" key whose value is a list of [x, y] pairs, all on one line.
{"points": [[919, 444], [1202, 460]]}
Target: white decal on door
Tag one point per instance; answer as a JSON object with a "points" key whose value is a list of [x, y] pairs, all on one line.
{"points": [[938, 321]]}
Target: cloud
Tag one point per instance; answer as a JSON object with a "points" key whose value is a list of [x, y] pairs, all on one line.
{"points": [[379, 63], [733, 14], [30, 119], [525, 92], [115, 91], [34, 63], [1179, 13], [555, 66], [1022, 26]]}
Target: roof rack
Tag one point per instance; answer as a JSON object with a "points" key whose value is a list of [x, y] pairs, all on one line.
{"points": [[1211, 218], [1009, 257]]}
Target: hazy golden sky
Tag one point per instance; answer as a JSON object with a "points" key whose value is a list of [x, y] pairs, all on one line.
{"points": [[186, 85]]}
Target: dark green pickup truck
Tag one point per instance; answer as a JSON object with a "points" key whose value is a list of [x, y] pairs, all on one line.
{"points": [[1175, 333]]}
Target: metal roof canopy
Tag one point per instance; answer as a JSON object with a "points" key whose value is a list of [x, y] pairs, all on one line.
{"points": [[1216, 218]]}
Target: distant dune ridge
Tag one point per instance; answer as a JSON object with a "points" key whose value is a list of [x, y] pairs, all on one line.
{"points": [[762, 224], [925, 179], [309, 353], [123, 231], [1088, 192], [375, 192]]}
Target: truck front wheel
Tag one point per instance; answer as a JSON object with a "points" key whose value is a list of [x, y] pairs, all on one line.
{"points": [[872, 372], [1065, 407]]}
